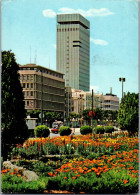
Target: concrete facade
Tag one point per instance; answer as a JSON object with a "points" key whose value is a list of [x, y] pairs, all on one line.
{"points": [[42, 86], [73, 50], [111, 102], [83, 100]]}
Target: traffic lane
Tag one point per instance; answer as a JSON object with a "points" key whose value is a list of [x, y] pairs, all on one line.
{"points": [[75, 131]]}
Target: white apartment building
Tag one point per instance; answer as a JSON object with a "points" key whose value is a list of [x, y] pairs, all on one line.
{"points": [[83, 100], [111, 102]]}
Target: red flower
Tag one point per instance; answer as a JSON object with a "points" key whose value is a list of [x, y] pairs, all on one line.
{"points": [[125, 181]]}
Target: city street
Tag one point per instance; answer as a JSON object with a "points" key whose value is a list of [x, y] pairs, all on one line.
{"points": [[75, 130]]}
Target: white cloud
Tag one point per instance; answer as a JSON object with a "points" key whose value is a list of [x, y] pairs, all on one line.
{"points": [[89, 13], [96, 89], [98, 42], [49, 13]]}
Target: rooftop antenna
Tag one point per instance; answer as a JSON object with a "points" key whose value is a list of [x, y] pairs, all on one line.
{"points": [[35, 57], [110, 90]]}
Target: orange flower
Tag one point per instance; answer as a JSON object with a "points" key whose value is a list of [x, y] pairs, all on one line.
{"points": [[98, 173], [12, 173], [73, 177], [65, 177], [125, 181], [50, 174]]}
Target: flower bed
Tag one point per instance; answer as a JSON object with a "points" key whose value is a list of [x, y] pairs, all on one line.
{"points": [[82, 145], [104, 165]]}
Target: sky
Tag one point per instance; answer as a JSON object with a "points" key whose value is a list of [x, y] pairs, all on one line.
{"points": [[29, 30]]}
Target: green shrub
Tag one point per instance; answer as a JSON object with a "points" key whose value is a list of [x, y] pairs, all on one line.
{"points": [[42, 131], [109, 129], [64, 130], [84, 130], [14, 184], [99, 130]]}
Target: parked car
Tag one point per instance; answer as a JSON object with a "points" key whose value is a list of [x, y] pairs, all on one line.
{"points": [[55, 130]]}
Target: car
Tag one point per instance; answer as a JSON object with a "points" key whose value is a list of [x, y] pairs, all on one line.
{"points": [[55, 130]]}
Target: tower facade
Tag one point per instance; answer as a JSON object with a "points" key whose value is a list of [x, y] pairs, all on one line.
{"points": [[73, 50]]}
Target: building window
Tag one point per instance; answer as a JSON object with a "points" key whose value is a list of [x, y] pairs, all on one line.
{"points": [[31, 85], [27, 85], [27, 103], [27, 77], [76, 45], [32, 77], [31, 93], [27, 93], [23, 85]]}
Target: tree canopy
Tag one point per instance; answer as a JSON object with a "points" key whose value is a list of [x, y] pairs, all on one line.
{"points": [[128, 113], [14, 129]]}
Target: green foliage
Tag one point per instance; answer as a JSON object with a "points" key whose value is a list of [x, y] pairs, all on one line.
{"points": [[109, 129], [85, 115], [34, 113], [42, 131], [74, 115], [64, 130], [99, 130], [14, 184], [51, 116], [100, 114], [84, 130], [110, 114], [110, 182], [14, 129], [128, 113]]}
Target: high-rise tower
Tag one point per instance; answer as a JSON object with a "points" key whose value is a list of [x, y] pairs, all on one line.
{"points": [[73, 50]]}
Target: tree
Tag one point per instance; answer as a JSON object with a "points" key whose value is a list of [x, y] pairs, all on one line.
{"points": [[128, 113], [14, 129], [110, 114], [33, 113], [52, 116]]}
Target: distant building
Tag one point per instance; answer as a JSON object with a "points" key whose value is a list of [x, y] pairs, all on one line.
{"points": [[73, 50], [111, 102], [83, 100], [42, 86], [79, 101]]}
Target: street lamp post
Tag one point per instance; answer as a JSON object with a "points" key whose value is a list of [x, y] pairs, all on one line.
{"points": [[122, 80]]}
